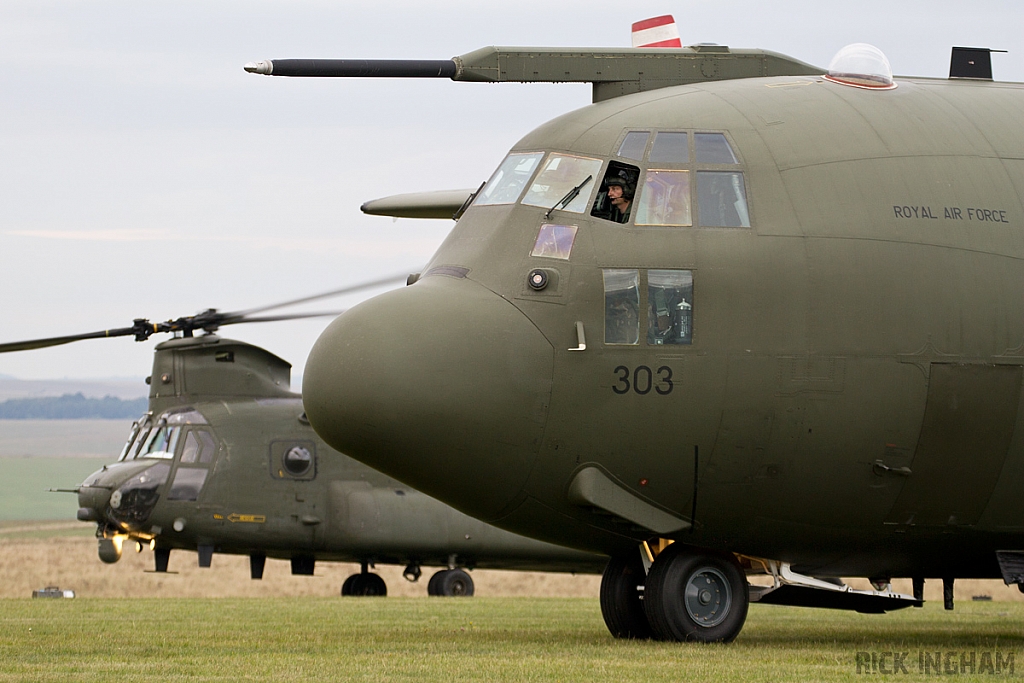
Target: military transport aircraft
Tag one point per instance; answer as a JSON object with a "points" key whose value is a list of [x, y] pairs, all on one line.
{"points": [[225, 461], [794, 348]]}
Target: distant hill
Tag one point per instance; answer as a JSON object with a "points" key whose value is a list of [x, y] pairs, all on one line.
{"points": [[121, 387], [72, 407]]}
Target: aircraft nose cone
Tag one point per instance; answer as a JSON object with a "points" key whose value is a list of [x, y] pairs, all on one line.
{"points": [[443, 385]]}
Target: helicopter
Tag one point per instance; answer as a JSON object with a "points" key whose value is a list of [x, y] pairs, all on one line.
{"points": [[796, 352], [224, 461]]}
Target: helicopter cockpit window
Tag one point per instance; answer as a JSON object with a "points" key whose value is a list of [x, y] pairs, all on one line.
{"points": [[133, 436], [621, 306], [199, 447], [713, 148], [615, 200], [665, 199], [162, 442], [559, 175], [188, 482], [669, 307], [634, 145], [722, 199], [554, 241], [507, 183]]}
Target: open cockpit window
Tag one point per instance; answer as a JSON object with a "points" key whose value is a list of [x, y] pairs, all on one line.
{"points": [[614, 202], [508, 182], [559, 176]]}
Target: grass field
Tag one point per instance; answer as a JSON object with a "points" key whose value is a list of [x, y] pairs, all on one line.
{"points": [[496, 639]]}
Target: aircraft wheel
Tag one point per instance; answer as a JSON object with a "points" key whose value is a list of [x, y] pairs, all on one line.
{"points": [[346, 588], [621, 598], [690, 595], [368, 585], [455, 583], [434, 580]]}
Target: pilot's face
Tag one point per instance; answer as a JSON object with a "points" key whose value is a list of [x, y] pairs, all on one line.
{"points": [[614, 192]]}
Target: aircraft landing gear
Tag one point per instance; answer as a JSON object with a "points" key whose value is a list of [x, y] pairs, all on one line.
{"points": [[622, 598], [365, 584], [696, 596], [450, 583]]}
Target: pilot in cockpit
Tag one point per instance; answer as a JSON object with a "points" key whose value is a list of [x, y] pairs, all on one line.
{"points": [[616, 202]]}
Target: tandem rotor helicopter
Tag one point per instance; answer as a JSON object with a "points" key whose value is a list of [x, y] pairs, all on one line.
{"points": [[795, 348], [224, 461]]}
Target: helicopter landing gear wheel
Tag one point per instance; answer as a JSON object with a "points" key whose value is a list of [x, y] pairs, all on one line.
{"points": [[621, 597], [695, 596], [451, 583], [364, 585]]}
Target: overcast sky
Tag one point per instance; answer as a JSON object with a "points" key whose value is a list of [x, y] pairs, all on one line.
{"points": [[143, 173]]}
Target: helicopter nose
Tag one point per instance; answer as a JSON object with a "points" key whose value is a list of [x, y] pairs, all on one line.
{"points": [[93, 497], [443, 385]]}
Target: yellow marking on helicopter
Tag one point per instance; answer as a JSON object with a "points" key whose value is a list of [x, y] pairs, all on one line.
{"points": [[255, 519]]}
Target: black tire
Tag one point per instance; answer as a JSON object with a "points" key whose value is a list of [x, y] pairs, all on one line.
{"points": [[455, 583], [622, 603], [369, 585], [346, 588], [434, 580], [692, 595]]}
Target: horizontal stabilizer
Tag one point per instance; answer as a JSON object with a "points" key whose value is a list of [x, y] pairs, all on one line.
{"points": [[441, 204]]}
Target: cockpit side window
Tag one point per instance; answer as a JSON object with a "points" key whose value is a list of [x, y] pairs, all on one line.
{"points": [[557, 179], [669, 307], [615, 200], [621, 306], [722, 199], [508, 182], [665, 199]]}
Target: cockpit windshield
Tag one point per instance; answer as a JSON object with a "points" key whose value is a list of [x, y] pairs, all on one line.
{"points": [[140, 428], [559, 176], [508, 182], [162, 442]]}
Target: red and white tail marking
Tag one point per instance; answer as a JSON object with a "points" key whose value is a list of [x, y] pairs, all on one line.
{"points": [[656, 32]]}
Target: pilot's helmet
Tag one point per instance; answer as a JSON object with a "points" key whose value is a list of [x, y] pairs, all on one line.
{"points": [[627, 187]]}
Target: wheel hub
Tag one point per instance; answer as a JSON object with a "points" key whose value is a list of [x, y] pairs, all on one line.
{"points": [[707, 597]]}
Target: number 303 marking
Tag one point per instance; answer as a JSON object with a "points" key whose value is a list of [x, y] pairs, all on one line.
{"points": [[643, 380]]}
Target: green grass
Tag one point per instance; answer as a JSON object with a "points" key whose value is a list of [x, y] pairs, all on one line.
{"points": [[423, 640], [24, 483]]}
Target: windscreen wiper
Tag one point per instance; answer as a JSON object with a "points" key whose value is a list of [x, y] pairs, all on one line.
{"points": [[569, 196]]}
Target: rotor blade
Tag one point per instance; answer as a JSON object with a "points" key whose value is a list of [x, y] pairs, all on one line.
{"points": [[57, 341], [336, 292], [276, 318]]}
